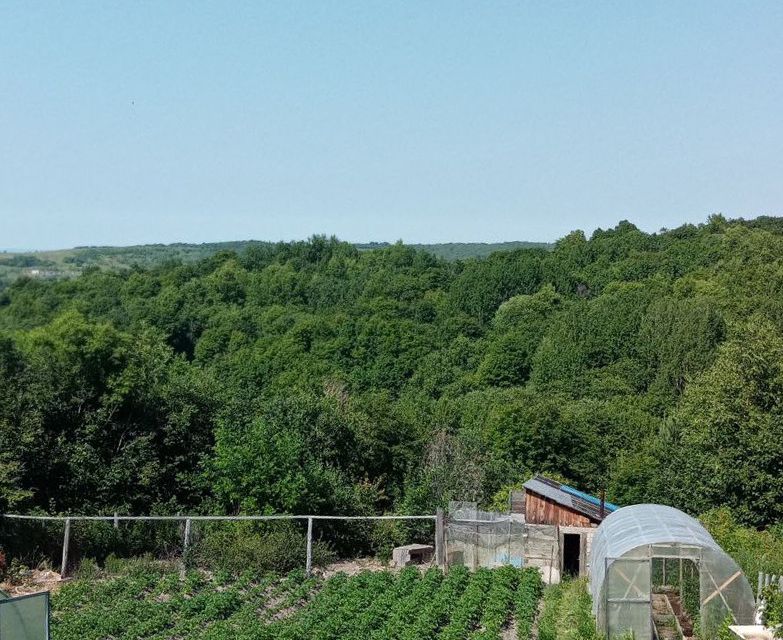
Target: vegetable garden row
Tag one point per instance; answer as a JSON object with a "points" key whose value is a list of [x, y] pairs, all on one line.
{"points": [[409, 605]]}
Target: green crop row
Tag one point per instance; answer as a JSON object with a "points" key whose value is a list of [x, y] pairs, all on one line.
{"points": [[408, 605], [526, 601]]}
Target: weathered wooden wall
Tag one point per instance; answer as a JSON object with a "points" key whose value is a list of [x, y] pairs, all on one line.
{"points": [[541, 510]]}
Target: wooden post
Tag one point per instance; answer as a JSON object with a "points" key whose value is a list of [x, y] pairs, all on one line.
{"points": [[508, 540], [664, 572], [440, 538], [309, 565], [66, 542], [476, 545], [761, 585], [679, 586]]}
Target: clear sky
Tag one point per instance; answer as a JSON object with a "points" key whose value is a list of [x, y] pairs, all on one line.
{"points": [[141, 121]]}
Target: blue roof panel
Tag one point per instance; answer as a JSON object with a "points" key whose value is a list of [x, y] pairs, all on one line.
{"points": [[586, 496]]}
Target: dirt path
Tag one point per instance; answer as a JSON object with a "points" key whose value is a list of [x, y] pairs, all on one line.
{"points": [[665, 623], [682, 616], [671, 620], [510, 632]]}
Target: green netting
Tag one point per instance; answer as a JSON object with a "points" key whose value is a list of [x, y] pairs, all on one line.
{"points": [[25, 617]]}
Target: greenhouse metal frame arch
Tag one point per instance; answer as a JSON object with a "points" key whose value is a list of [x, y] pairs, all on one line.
{"points": [[625, 547]]}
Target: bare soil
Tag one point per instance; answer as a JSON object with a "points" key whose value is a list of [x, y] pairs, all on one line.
{"points": [[510, 631], [357, 565], [682, 616], [33, 581]]}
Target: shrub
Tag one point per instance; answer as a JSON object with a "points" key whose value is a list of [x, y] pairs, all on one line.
{"points": [[773, 609], [88, 569], [755, 551], [143, 565], [246, 546]]}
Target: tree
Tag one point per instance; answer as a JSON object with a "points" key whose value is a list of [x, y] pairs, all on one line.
{"points": [[729, 448]]}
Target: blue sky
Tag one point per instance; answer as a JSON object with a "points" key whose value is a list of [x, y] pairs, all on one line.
{"points": [[135, 122]]}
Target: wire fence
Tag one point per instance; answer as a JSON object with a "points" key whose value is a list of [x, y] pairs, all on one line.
{"points": [[192, 536]]}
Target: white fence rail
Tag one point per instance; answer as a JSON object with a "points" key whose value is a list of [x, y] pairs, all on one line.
{"points": [[438, 518]]}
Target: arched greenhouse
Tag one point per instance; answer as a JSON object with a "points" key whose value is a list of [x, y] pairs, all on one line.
{"points": [[649, 551]]}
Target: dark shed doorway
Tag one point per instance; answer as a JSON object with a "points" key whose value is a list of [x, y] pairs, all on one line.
{"points": [[572, 545]]}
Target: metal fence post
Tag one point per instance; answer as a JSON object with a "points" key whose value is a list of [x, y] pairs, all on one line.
{"points": [[309, 564], [606, 597], [66, 541], [186, 539], [440, 538], [116, 520]]}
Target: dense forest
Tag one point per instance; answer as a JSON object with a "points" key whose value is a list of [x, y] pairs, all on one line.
{"points": [[315, 377]]}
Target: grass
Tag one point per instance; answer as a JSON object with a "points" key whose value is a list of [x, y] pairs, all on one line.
{"points": [[567, 613]]}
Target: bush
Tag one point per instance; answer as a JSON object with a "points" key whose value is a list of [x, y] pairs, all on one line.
{"points": [[88, 569], [755, 551], [145, 564], [240, 547], [773, 609]]}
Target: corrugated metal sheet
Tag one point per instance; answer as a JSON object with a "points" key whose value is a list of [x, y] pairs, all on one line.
{"points": [[569, 497]]}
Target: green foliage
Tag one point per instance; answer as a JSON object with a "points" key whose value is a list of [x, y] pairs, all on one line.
{"points": [[728, 427], [526, 602], [755, 551], [147, 605], [547, 622], [318, 377], [773, 609], [567, 613], [276, 547]]}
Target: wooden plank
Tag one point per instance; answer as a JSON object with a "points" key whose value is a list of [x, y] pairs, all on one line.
{"points": [[542, 510], [718, 591]]}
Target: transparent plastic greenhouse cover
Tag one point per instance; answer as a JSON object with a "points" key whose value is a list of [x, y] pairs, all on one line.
{"points": [[620, 570]]}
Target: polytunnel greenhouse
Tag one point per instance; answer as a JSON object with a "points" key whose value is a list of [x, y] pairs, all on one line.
{"points": [[649, 551]]}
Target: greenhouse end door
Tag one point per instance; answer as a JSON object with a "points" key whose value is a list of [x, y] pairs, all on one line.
{"points": [[628, 598]]}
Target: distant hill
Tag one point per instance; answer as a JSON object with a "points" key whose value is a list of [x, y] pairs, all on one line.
{"points": [[70, 262]]}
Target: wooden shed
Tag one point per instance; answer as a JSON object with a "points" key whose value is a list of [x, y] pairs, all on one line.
{"points": [[575, 514], [545, 501]]}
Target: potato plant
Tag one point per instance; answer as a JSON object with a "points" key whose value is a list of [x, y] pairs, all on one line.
{"points": [[144, 604]]}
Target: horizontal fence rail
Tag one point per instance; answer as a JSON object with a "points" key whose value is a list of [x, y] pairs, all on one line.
{"points": [[438, 518], [186, 518]]}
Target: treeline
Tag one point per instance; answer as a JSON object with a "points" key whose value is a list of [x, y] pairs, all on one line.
{"points": [[68, 263], [315, 377]]}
